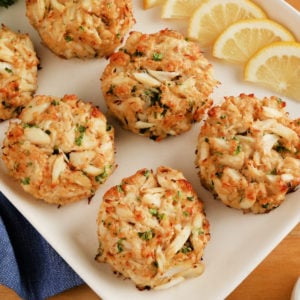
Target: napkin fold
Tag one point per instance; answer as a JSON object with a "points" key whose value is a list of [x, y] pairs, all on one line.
{"points": [[28, 264]]}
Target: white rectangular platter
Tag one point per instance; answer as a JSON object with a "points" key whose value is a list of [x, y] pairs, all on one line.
{"points": [[238, 242]]}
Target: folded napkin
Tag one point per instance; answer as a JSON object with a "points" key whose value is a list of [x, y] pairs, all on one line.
{"points": [[28, 264]]}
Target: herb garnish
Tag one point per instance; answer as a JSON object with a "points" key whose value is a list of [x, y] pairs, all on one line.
{"points": [[146, 235], [25, 180], [157, 56], [81, 130]]}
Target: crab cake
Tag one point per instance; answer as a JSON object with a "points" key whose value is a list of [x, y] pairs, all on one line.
{"points": [[18, 72], [62, 149], [152, 229], [249, 153], [158, 84], [83, 29]]}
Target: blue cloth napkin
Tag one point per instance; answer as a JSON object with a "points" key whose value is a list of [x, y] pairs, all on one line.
{"points": [[28, 264]]}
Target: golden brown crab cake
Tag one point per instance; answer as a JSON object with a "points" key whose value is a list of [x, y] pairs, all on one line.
{"points": [[158, 84], [62, 149], [18, 72], [84, 29], [152, 229], [248, 153]]}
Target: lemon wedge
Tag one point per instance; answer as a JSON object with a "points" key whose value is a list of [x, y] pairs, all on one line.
{"points": [[152, 3], [214, 16], [242, 39], [278, 67], [179, 9]]}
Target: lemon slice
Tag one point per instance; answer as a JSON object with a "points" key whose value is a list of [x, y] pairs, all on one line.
{"points": [[214, 16], [151, 3], [242, 39], [278, 67], [178, 9]]}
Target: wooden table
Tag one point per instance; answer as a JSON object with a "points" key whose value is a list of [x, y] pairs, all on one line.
{"points": [[273, 279]]}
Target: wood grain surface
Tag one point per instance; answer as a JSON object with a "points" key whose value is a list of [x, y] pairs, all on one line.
{"points": [[272, 279]]}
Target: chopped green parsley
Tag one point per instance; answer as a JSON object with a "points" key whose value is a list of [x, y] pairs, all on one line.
{"points": [[68, 38], [157, 56], [146, 235], [25, 180], [120, 246], [81, 130]]}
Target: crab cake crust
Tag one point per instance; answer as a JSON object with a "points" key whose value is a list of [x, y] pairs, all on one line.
{"points": [[248, 153], [84, 29], [152, 229], [62, 149], [158, 84], [18, 72]]}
